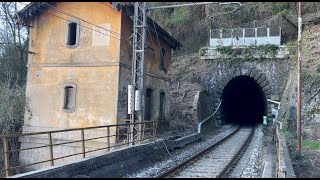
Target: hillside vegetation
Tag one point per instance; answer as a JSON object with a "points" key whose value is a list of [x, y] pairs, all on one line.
{"points": [[191, 24]]}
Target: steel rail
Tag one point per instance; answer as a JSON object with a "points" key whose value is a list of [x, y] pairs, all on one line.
{"points": [[236, 157], [195, 156]]}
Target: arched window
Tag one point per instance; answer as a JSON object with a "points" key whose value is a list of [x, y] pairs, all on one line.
{"points": [[69, 97], [162, 105], [148, 105]]}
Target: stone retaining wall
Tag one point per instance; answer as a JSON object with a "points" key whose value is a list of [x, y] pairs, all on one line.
{"points": [[117, 163]]}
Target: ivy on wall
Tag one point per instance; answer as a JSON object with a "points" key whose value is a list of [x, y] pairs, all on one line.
{"points": [[249, 52]]}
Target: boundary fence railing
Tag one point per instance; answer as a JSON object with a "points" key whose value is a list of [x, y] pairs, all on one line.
{"points": [[245, 36], [148, 127]]}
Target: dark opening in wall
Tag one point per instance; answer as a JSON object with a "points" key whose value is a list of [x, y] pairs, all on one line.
{"points": [[69, 97], [163, 59], [72, 34], [162, 104], [243, 101], [148, 104]]}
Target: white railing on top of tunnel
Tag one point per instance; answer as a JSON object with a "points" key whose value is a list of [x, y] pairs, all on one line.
{"points": [[245, 36]]}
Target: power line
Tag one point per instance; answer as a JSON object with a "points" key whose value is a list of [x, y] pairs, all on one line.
{"points": [[68, 14], [94, 25], [81, 25]]}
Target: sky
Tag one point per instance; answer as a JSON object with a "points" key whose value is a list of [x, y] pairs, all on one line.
{"points": [[3, 28]]}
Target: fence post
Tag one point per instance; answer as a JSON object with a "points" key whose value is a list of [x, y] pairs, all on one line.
{"points": [[108, 138], [128, 134], [243, 35], [143, 130], [6, 156], [255, 36], [83, 144], [50, 149], [268, 34], [154, 130]]}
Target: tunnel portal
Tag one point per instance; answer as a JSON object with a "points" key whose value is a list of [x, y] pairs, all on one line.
{"points": [[243, 101]]}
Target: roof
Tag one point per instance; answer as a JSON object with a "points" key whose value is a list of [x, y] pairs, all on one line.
{"points": [[35, 8]]}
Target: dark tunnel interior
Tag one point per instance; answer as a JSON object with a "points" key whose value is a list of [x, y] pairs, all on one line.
{"points": [[243, 101]]}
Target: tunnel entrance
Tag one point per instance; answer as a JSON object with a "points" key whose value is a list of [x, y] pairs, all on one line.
{"points": [[243, 101]]}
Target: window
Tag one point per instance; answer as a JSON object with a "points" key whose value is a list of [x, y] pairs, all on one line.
{"points": [[72, 34], [162, 59], [148, 104], [69, 97], [162, 104]]}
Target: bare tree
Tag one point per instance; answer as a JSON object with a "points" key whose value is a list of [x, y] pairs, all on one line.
{"points": [[13, 70]]}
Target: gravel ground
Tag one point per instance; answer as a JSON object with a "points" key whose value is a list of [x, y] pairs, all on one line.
{"points": [[179, 155], [250, 164]]}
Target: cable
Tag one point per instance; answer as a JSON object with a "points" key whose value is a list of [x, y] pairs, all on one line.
{"points": [[81, 25], [68, 14], [156, 33], [163, 143], [92, 24], [147, 29]]}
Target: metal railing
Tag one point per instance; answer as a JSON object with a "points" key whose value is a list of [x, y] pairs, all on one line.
{"points": [[245, 36], [148, 127], [284, 167]]}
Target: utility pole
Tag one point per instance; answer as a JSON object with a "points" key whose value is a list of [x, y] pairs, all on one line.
{"points": [[299, 80], [138, 68]]}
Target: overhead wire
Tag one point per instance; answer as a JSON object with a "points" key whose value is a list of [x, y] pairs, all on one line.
{"points": [[68, 14], [79, 24], [149, 34]]}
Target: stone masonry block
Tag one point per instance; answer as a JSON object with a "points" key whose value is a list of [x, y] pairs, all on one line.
{"points": [[253, 73], [257, 76], [261, 79]]}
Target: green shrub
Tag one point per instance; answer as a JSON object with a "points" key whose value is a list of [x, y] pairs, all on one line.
{"points": [[311, 144]]}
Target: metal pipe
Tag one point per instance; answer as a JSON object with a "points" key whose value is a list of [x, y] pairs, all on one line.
{"points": [[192, 4], [206, 119], [276, 102], [299, 81]]}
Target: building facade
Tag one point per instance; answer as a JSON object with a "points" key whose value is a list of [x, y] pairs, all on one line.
{"points": [[79, 68]]}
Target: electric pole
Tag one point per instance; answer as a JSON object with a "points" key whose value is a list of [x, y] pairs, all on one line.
{"points": [[137, 87], [299, 80]]}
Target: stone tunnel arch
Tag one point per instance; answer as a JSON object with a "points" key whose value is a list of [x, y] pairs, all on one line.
{"points": [[231, 84]]}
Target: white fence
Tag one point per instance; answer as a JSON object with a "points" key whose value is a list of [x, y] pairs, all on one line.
{"points": [[245, 36]]}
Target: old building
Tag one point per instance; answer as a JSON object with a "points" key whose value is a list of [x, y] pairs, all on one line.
{"points": [[79, 68]]}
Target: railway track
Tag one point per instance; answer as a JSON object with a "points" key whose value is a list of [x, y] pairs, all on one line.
{"points": [[214, 161]]}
